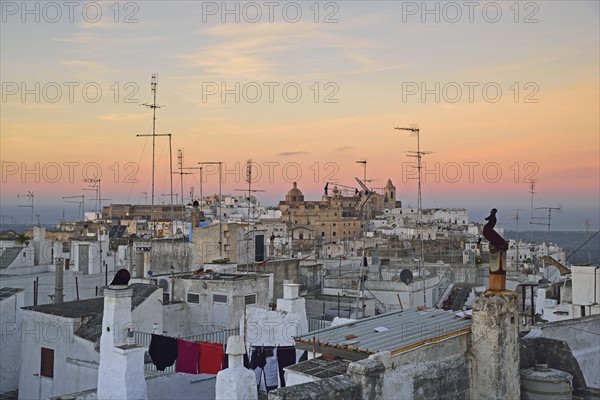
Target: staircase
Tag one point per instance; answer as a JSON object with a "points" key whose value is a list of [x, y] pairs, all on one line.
{"points": [[458, 296]]}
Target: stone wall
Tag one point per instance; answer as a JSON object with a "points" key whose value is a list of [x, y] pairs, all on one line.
{"points": [[310, 277], [581, 337], [339, 387], [555, 353]]}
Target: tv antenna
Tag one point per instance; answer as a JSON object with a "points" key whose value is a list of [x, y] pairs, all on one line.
{"points": [[548, 218], [248, 179], [95, 186], [80, 202], [154, 135], [30, 196], [516, 218], [153, 106], [220, 164], [364, 163], [415, 130]]}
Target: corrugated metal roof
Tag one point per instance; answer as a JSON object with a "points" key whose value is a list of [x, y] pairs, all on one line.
{"points": [[395, 332]]}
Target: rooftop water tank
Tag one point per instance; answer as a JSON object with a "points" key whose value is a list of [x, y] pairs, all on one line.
{"points": [[543, 383]]}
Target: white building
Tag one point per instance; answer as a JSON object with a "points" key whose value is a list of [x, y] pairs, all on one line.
{"points": [[60, 342], [11, 301]]}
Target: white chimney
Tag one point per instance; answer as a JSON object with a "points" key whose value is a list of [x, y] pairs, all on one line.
{"points": [[236, 382], [293, 303], [121, 370]]}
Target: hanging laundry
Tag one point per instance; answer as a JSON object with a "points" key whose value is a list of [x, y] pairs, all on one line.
{"points": [[271, 370], [211, 358], [187, 356], [163, 351], [256, 358], [286, 356], [226, 359]]}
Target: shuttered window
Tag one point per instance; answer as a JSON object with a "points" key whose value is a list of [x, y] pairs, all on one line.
{"points": [[47, 363], [249, 299], [219, 298], [193, 298]]}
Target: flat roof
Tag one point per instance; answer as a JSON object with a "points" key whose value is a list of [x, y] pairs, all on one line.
{"points": [[217, 276], [397, 332], [93, 309], [7, 292], [320, 367]]}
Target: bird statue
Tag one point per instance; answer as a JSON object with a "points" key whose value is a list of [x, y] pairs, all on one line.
{"points": [[122, 277], [497, 242]]}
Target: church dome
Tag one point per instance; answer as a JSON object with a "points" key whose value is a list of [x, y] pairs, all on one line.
{"points": [[294, 195]]}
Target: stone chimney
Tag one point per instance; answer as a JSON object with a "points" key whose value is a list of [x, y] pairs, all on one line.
{"points": [[236, 382], [121, 370], [495, 338]]}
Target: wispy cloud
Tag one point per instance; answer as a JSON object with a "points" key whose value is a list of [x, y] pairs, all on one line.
{"points": [[291, 153], [344, 148]]}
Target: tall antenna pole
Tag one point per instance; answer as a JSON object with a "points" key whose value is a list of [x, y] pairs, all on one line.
{"points": [[532, 191], [180, 164], [220, 164], [548, 219], [364, 163], [418, 154], [587, 223], [30, 197], [516, 218], [153, 106]]}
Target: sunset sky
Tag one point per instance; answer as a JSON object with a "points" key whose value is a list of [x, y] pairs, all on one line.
{"points": [[363, 67]]}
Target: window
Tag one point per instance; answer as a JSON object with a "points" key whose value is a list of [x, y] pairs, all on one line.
{"points": [[193, 298], [219, 298], [249, 299], [47, 363]]}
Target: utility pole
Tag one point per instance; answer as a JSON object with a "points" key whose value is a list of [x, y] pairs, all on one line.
{"points": [[418, 155]]}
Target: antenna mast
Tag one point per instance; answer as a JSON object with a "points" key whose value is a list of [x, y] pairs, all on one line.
{"points": [[418, 154], [548, 219], [153, 106], [30, 197], [532, 191]]}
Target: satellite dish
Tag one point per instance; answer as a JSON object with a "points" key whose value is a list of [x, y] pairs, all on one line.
{"points": [[406, 276]]}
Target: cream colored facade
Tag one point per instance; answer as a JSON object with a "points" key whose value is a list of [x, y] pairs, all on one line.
{"points": [[334, 218]]}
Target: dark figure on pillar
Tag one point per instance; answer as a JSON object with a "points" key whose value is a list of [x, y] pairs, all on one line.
{"points": [[498, 248], [497, 242]]}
